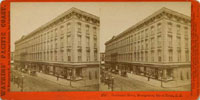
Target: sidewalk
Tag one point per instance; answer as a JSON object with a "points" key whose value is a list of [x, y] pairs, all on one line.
{"points": [[60, 80], [177, 83], [104, 87], [145, 79], [14, 87], [157, 83]]}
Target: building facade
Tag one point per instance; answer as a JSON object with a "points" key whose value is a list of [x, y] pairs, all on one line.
{"points": [[11, 58], [67, 46], [102, 58], [158, 47]]}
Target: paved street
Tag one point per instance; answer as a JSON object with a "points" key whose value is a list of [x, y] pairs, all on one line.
{"points": [[34, 83], [128, 84]]}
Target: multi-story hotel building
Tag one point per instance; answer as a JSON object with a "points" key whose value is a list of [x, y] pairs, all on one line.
{"points": [[67, 46], [158, 47]]}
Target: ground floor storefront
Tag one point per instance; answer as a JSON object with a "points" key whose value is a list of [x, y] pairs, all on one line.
{"points": [[165, 73], [73, 72]]}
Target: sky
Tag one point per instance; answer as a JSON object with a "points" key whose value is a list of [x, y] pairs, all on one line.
{"points": [[115, 17]]}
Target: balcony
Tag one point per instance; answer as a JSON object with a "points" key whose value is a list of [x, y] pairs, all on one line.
{"points": [[142, 37], [55, 49], [69, 33], [95, 36], [142, 48], [69, 47], [179, 48], [55, 38], [79, 30], [79, 48], [152, 33], [179, 33], [62, 48], [152, 47], [146, 39], [79, 43], [186, 37], [51, 48], [159, 31], [169, 32], [61, 36], [87, 35], [170, 46], [95, 49], [146, 48], [88, 49], [159, 46]]}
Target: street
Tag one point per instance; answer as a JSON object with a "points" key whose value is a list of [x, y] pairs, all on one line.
{"points": [[129, 84], [34, 83]]}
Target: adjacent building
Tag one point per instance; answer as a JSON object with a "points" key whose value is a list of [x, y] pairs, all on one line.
{"points": [[158, 47], [11, 58], [102, 58], [67, 46]]}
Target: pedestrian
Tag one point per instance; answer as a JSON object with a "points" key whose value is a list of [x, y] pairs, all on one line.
{"points": [[17, 81], [29, 72], [148, 78], [14, 79], [103, 78], [106, 80], [109, 83], [57, 77]]}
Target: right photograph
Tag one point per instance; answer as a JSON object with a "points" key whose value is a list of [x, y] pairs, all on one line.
{"points": [[145, 46]]}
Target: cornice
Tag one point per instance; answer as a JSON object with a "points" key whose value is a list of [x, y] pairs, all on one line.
{"points": [[71, 13], [162, 13]]}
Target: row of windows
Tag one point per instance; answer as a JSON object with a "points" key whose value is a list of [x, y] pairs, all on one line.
{"points": [[54, 45], [87, 29], [144, 56], [53, 56], [139, 36], [45, 37], [148, 45], [178, 28]]}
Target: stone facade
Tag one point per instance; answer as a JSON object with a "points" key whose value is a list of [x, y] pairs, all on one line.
{"points": [[65, 46], [158, 47], [102, 58]]}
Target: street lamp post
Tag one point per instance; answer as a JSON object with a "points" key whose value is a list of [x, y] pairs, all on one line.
{"points": [[109, 80], [22, 83], [70, 76], [112, 83], [162, 78]]}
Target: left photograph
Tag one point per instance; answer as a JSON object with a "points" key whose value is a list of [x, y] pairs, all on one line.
{"points": [[54, 46]]}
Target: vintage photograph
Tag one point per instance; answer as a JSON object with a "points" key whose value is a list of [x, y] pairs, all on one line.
{"points": [[55, 46], [98, 46], [146, 46]]}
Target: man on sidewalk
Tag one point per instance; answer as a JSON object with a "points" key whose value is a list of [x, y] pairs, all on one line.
{"points": [[57, 77]]}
